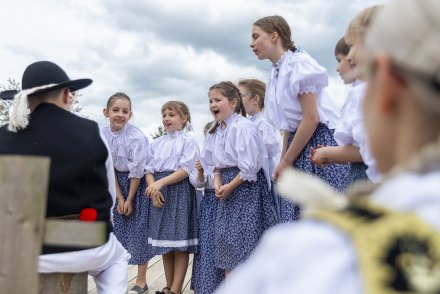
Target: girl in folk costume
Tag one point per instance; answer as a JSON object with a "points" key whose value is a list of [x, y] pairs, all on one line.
{"points": [[129, 149], [295, 100], [205, 276], [350, 133], [400, 215], [253, 92], [233, 153], [172, 230]]}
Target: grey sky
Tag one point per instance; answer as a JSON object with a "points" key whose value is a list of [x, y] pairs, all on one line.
{"points": [[157, 51]]}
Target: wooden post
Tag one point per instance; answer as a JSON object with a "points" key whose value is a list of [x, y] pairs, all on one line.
{"points": [[23, 196]]}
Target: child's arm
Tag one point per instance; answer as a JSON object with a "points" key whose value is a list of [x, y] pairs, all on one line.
{"points": [[324, 155], [303, 134], [197, 176], [120, 208], [157, 198], [285, 144], [128, 205], [153, 189], [217, 181], [226, 190]]}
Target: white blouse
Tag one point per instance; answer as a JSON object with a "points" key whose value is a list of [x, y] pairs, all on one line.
{"points": [[207, 183], [295, 74], [312, 256], [271, 139], [173, 151], [238, 144], [351, 130], [129, 149]]}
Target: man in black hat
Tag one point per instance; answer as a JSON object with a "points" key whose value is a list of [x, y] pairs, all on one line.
{"points": [[81, 170]]}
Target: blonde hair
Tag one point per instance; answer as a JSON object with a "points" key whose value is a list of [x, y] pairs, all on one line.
{"points": [[359, 25], [408, 32], [180, 108]]}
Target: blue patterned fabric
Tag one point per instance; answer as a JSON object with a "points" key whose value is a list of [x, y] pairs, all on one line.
{"points": [[358, 172], [131, 230], [205, 276], [174, 227], [241, 219], [286, 210], [336, 175]]}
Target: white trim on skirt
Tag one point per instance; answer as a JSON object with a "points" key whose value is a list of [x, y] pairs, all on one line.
{"points": [[172, 243]]}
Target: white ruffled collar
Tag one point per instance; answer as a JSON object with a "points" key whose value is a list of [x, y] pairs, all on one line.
{"points": [[175, 134], [256, 116]]}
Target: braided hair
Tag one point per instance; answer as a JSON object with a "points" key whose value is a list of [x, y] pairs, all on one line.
{"points": [[278, 24]]}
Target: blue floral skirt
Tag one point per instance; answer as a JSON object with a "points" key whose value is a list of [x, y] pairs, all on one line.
{"points": [[131, 230], [205, 276], [286, 210], [241, 219], [174, 227], [358, 172], [336, 175]]}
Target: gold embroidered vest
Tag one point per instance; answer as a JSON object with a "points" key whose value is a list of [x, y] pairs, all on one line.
{"points": [[397, 252]]}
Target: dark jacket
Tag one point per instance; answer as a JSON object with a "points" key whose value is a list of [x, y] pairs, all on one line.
{"points": [[78, 174]]}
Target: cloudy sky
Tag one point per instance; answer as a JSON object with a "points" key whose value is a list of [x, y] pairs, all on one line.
{"points": [[159, 50]]}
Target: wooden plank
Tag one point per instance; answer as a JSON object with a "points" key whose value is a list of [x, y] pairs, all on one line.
{"points": [[155, 270], [65, 283], [74, 233], [23, 196]]}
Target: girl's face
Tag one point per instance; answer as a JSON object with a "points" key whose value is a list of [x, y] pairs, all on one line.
{"points": [[381, 123], [118, 114], [219, 105], [172, 121], [343, 68], [262, 44], [250, 103], [353, 55]]}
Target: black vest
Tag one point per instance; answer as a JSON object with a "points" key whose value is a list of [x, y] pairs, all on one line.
{"points": [[78, 175]]}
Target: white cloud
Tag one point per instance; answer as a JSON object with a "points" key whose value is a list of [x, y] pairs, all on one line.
{"points": [[161, 50]]}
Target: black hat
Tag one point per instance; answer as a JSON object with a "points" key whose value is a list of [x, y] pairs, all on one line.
{"points": [[46, 73], [8, 94], [39, 77]]}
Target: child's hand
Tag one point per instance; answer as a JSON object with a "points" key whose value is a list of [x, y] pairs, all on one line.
{"points": [[319, 156], [199, 166], [158, 200], [153, 188], [128, 207], [224, 192], [120, 208], [279, 169]]}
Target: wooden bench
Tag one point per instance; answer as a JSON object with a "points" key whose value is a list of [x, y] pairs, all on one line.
{"points": [[23, 230]]}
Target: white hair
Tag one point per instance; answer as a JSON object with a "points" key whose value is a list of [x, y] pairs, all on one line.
{"points": [[19, 114]]}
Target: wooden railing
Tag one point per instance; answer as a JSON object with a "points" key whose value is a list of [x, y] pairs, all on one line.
{"points": [[23, 230]]}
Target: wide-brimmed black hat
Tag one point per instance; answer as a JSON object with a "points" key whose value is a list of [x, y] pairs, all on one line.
{"points": [[45, 73], [8, 94], [38, 78], [44, 76]]}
